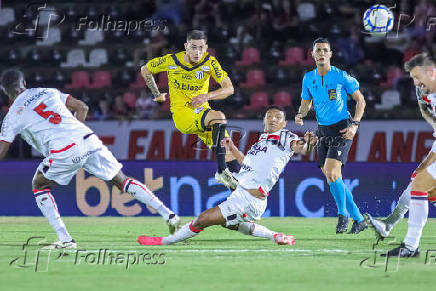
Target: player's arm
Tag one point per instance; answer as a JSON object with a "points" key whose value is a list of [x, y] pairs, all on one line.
{"points": [[427, 115], [306, 103], [304, 146], [151, 84], [4, 148], [230, 146], [78, 107], [222, 93], [360, 105]]}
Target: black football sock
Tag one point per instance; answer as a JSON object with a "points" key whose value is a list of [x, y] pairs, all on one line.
{"points": [[218, 133], [233, 166]]}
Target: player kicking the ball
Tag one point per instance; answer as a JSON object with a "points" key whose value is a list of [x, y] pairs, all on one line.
{"points": [[43, 117], [422, 187], [189, 72], [260, 170]]}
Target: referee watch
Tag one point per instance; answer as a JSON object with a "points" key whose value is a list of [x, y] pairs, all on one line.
{"points": [[355, 122]]}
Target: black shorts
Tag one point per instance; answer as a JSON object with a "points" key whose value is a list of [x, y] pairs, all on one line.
{"points": [[331, 144]]}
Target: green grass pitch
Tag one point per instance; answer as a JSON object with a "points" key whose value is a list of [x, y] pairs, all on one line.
{"points": [[217, 259]]}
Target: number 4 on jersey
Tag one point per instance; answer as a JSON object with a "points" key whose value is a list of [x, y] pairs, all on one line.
{"points": [[52, 117]]}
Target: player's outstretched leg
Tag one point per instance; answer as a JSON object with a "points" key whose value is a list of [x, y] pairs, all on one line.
{"points": [[251, 228], [382, 227], [46, 203], [141, 193], [207, 218]]}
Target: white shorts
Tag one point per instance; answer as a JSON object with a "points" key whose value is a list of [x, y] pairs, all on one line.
{"points": [[89, 154], [241, 206], [432, 168]]}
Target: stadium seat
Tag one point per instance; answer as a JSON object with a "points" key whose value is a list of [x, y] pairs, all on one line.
{"points": [[92, 37], [97, 58], [139, 83], [36, 79], [75, 58], [389, 99], [309, 59], [237, 76], [162, 82], [79, 79], [102, 79], [120, 56], [55, 57], [282, 98], [129, 99], [47, 15], [13, 57], [258, 100], [7, 15], [34, 57], [58, 79], [254, 78], [166, 104], [293, 56], [250, 56], [52, 35], [392, 76], [124, 78]]}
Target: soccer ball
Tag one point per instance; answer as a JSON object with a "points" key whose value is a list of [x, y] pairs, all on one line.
{"points": [[378, 20]]}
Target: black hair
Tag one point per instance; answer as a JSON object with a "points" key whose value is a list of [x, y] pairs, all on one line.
{"points": [[419, 60], [321, 40], [196, 34], [11, 79], [279, 108]]}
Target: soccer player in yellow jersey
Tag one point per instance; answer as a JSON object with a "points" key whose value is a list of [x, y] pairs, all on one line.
{"points": [[189, 72]]}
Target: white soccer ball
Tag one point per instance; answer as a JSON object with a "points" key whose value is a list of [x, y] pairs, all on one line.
{"points": [[378, 20]]}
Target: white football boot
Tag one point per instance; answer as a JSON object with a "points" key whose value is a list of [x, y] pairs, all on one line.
{"points": [[226, 178]]}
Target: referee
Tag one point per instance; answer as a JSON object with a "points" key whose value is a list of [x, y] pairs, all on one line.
{"points": [[327, 87]]}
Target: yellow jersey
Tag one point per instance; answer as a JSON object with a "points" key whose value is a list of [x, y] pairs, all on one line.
{"points": [[186, 81]]}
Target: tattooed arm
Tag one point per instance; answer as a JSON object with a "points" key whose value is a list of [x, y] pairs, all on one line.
{"points": [[151, 84]]}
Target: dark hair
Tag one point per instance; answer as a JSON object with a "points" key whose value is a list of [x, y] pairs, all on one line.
{"points": [[418, 61], [197, 34], [321, 40], [11, 79], [279, 108]]}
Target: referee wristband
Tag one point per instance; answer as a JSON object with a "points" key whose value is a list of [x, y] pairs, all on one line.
{"points": [[355, 122]]}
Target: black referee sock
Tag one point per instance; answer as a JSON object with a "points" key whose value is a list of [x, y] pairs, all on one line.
{"points": [[218, 133], [233, 166]]}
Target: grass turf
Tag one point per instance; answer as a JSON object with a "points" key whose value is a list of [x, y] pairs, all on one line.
{"points": [[216, 259]]}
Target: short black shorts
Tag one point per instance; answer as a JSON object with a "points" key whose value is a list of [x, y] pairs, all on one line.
{"points": [[331, 144]]}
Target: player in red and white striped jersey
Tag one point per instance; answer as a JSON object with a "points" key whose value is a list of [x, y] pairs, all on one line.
{"points": [[422, 187], [44, 118]]}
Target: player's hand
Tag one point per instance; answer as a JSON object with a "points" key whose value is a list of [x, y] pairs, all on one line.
{"points": [[349, 132], [310, 138], [299, 119], [160, 98], [227, 143], [199, 100]]}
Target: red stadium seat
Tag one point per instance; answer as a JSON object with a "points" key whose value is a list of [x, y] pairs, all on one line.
{"points": [[293, 56], [79, 79], [392, 75], [309, 59], [162, 82], [129, 99], [139, 83], [102, 79], [254, 78], [258, 100], [282, 98], [250, 56]]}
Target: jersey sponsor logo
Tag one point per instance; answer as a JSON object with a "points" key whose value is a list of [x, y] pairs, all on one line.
{"points": [[35, 97], [187, 87], [172, 67], [217, 69], [77, 160], [255, 149], [20, 110], [157, 63], [187, 77], [246, 168], [205, 68], [332, 94], [199, 75]]}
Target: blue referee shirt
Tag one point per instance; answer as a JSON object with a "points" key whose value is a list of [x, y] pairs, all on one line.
{"points": [[329, 94]]}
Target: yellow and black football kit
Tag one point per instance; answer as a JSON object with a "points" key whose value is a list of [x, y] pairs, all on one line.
{"points": [[186, 81]]}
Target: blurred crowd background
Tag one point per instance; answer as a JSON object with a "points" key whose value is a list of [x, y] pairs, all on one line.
{"points": [[264, 45]]}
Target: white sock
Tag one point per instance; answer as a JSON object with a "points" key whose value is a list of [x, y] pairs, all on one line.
{"points": [[49, 209], [401, 208], [187, 231], [418, 213], [257, 230], [140, 192]]}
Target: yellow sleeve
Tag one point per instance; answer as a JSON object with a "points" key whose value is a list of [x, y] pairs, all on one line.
{"points": [[159, 64], [217, 72]]}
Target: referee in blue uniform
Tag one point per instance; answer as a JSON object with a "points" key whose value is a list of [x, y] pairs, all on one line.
{"points": [[326, 88]]}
